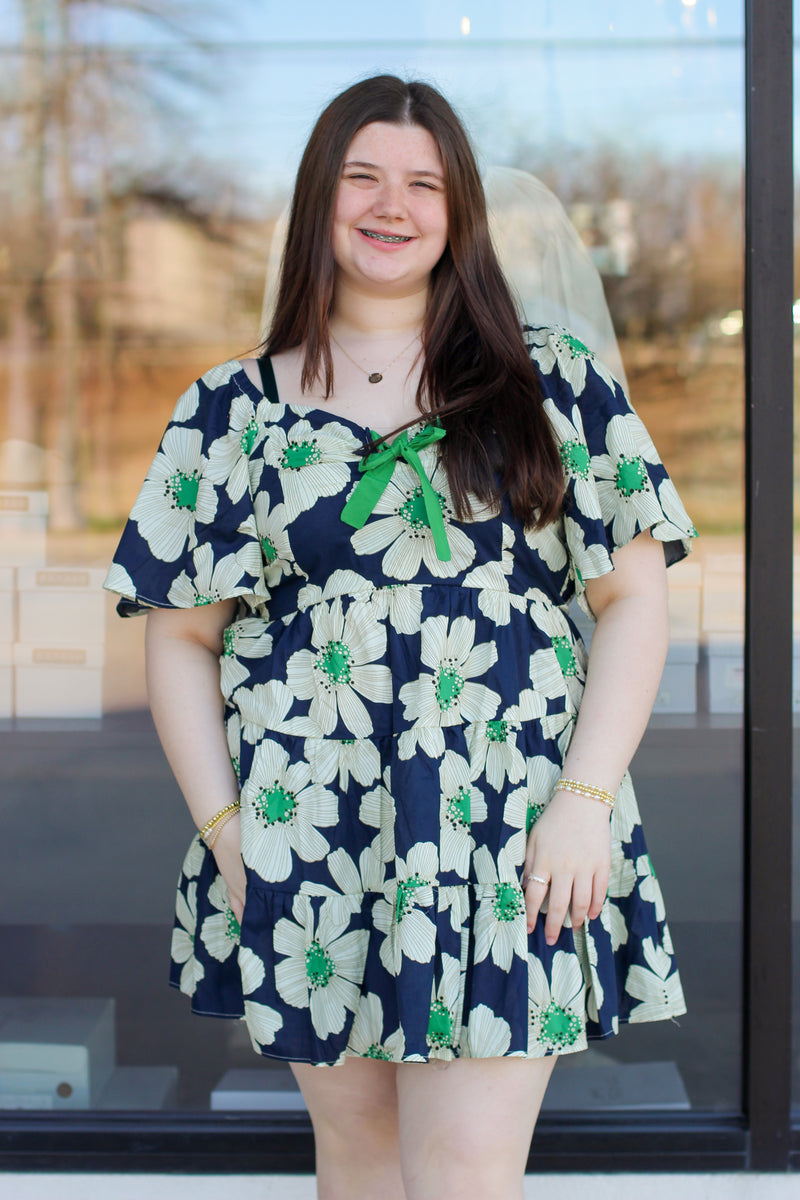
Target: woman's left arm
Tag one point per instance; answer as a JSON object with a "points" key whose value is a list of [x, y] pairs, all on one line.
{"points": [[570, 844]]}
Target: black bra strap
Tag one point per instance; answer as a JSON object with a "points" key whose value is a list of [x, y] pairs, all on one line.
{"points": [[268, 380]]}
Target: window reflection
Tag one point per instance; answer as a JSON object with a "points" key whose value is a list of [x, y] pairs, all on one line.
{"points": [[136, 246]]}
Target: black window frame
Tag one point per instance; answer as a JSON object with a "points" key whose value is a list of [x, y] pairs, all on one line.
{"points": [[762, 1137]]}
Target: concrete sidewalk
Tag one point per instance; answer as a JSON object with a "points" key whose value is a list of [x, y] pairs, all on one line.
{"points": [[301, 1187]]}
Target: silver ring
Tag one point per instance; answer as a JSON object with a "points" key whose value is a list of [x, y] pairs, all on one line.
{"points": [[538, 879]]}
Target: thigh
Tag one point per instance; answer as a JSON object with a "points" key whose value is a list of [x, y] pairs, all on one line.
{"points": [[357, 1094], [467, 1120]]}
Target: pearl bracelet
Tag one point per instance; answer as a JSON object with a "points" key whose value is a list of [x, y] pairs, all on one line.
{"points": [[586, 789], [218, 820]]}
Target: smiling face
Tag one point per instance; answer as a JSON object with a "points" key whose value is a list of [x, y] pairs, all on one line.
{"points": [[390, 217]]}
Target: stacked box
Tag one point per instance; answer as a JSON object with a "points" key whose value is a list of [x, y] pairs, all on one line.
{"points": [[723, 632], [8, 635], [23, 528], [58, 657], [677, 691], [55, 1052]]}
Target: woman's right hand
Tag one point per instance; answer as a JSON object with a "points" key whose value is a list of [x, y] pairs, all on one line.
{"points": [[228, 854]]}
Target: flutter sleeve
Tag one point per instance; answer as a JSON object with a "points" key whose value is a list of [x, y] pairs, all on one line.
{"points": [[617, 485], [191, 536]]}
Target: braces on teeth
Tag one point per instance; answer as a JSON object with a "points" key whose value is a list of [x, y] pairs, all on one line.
{"points": [[385, 237]]}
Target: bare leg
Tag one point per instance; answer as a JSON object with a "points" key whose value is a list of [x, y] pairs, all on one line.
{"points": [[353, 1108], [466, 1126]]}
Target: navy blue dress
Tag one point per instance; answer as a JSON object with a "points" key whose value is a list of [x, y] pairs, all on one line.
{"points": [[400, 692]]}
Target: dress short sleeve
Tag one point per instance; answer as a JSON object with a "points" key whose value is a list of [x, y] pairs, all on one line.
{"points": [[191, 536], [617, 485]]}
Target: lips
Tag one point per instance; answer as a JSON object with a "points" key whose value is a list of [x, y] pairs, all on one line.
{"points": [[390, 238]]}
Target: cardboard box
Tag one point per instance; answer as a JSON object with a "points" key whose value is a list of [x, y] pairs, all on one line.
{"points": [[677, 691], [61, 605], [58, 681], [142, 1089], [722, 659], [55, 1053], [23, 528]]}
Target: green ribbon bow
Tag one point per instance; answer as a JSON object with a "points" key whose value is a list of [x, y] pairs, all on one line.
{"points": [[378, 468]]}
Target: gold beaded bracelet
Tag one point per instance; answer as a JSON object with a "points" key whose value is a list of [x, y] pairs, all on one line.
{"points": [[586, 789], [218, 820]]}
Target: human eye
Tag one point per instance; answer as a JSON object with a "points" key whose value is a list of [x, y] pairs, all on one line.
{"points": [[423, 183]]}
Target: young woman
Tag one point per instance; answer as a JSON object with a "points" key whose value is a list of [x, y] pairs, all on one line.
{"points": [[420, 858]]}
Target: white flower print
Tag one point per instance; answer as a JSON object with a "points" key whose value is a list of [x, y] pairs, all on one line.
{"points": [[495, 600], [217, 377], [377, 810], [175, 495], [622, 876], [486, 1032], [310, 462], [588, 562], [613, 922], [559, 670], [187, 405], [399, 521], [118, 580], [324, 964], [241, 639], [214, 580], [444, 1019], [342, 757], [263, 1022], [400, 604], [586, 949], [280, 811], [500, 928], [409, 931], [493, 750], [675, 512], [233, 733], [341, 668], [627, 498], [649, 888], [556, 345], [274, 539], [448, 695], [575, 457], [659, 991], [339, 583], [366, 1035], [625, 813], [557, 1010], [221, 931], [195, 857], [525, 805], [264, 706], [461, 805], [351, 880], [549, 544], [182, 948], [229, 455]]}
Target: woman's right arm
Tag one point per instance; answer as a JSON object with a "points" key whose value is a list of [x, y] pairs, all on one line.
{"points": [[182, 649]]}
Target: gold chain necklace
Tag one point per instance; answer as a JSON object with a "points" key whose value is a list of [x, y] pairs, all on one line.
{"points": [[374, 376]]}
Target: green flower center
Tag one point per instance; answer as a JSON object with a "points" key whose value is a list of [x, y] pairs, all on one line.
{"points": [[497, 731], [377, 1051], [559, 1027], [184, 488], [248, 437], [300, 454], [631, 475], [334, 659], [575, 457], [458, 809], [575, 347], [413, 509], [233, 929], [565, 656], [534, 811], [228, 642], [203, 598], [440, 1025], [275, 804], [508, 901], [449, 685], [320, 967], [405, 893], [268, 547]]}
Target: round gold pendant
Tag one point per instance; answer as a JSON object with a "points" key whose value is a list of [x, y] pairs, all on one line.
{"points": [[375, 377]]}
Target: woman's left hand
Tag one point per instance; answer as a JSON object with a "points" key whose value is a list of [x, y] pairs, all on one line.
{"points": [[570, 847]]}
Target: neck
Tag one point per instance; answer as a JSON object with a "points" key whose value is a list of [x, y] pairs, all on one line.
{"points": [[357, 313]]}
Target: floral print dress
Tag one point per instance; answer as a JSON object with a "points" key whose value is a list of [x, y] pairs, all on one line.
{"points": [[400, 691]]}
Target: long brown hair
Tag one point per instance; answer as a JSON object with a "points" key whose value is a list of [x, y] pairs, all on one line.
{"points": [[477, 375]]}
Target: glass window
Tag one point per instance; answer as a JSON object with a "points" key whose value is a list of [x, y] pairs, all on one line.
{"points": [[142, 221]]}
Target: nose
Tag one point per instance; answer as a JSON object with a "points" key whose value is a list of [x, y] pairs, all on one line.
{"points": [[390, 200]]}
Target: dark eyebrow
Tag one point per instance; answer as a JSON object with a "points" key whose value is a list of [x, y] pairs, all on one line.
{"points": [[373, 167]]}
